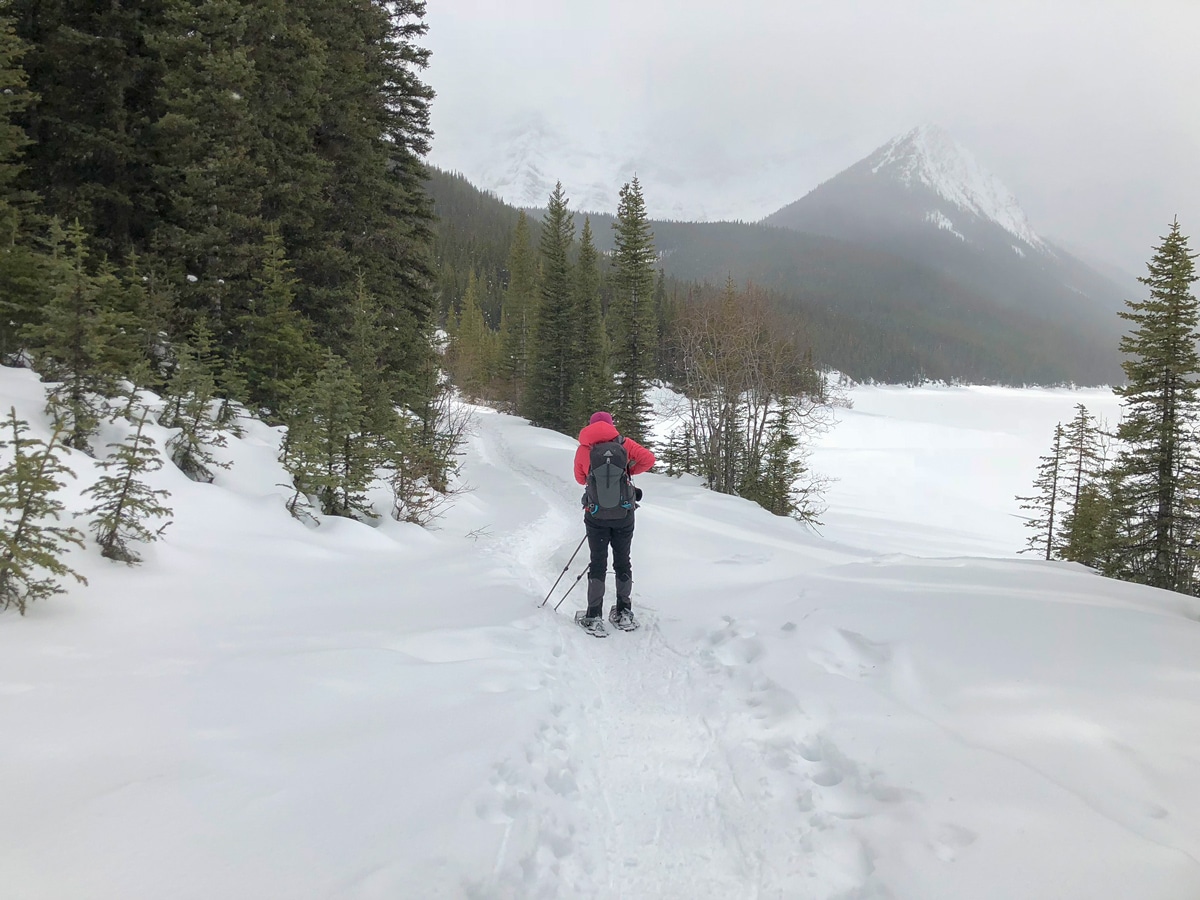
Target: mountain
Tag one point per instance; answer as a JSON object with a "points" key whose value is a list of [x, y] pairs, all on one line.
{"points": [[924, 197], [869, 312]]}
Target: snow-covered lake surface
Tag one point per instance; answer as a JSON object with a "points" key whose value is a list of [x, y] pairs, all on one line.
{"points": [[898, 707]]}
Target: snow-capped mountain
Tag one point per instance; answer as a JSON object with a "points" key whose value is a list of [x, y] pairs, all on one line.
{"points": [[928, 158], [521, 161], [924, 197]]}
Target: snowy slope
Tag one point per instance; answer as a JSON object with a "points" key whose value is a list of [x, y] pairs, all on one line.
{"points": [[930, 156], [267, 710]]}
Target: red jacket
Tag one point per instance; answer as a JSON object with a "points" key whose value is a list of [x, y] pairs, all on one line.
{"points": [[640, 459]]}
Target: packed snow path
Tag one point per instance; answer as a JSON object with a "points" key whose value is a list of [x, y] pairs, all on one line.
{"points": [[270, 710], [650, 777]]}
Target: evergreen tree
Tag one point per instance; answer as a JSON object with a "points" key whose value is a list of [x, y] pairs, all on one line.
{"points": [[1082, 496], [275, 349], [593, 388], [98, 88], [365, 342], [209, 148], [631, 318], [21, 276], [472, 353], [326, 451], [29, 546], [81, 344], [1045, 504], [190, 396], [1087, 533], [552, 372], [773, 485], [375, 219], [677, 456], [1159, 400], [520, 306], [123, 501]]}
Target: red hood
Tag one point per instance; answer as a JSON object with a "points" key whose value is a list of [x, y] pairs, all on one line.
{"points": [[597, 433]]}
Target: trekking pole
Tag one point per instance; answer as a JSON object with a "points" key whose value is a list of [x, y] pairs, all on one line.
{"points": [[564, 571], [572, 587]]}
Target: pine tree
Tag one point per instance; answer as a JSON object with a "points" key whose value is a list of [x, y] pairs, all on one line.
{"points": [[209, 146], [472, 353], [1082, 497], [98, 89], [366, 342], [29, 546], [631, 313], [375, 219], [81, 343], [773, 485], [1087, 533], [21, 277], [552, 372], [123, 501], [326, 451], [190, 396], [520, 305], [275, 349], [677, 456], [1045, 504], [593, 388], [1159, 400]]}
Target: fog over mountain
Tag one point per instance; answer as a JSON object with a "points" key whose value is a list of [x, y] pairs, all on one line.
{"points": [[1081, 107]]}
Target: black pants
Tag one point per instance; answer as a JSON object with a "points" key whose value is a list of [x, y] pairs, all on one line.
{"points": [[619, 535]]}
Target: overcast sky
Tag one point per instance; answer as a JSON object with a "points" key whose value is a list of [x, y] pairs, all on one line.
{"points": [[1089, 110]]}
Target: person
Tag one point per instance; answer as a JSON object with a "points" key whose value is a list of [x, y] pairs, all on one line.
{"points": [[612, 527]]}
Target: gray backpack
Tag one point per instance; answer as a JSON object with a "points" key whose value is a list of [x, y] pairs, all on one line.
{"points": [[609, 490]]}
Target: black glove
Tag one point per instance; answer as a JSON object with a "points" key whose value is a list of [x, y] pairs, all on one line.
{"points": [[637, 494]]}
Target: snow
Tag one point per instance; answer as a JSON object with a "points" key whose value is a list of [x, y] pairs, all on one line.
{"points": [[930, 156], [939, 218], [896, 707]]}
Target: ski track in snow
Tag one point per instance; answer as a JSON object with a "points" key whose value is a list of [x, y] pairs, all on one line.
{"points": [[664, 771]]}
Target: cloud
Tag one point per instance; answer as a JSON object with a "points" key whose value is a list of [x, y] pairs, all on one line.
{"points": [[1083, 107]]}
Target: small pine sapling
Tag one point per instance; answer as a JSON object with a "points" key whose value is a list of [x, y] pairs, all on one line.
{"points": [[29, 546], [190, 396], [124, 502]]}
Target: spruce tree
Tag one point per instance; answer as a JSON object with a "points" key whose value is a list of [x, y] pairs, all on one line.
{"points": [[276, 350], [631, 318], [552, 372], [98, 91], [22, 293], [209, 146], [1044, 505], [520, 306], [326, 451], [472, 352], [1159, 403], [1087, 534], [123, 501], [375, 220], [1082, 496], [81, 344], [593, 388], [30, 547], [773, 484], [190, 397]]}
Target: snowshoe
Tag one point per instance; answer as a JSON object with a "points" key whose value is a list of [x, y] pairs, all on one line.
{"points": [[593, 625], [623, 619]]}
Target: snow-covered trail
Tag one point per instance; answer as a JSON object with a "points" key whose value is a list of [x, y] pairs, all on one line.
{"points": [[659, 770]]}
